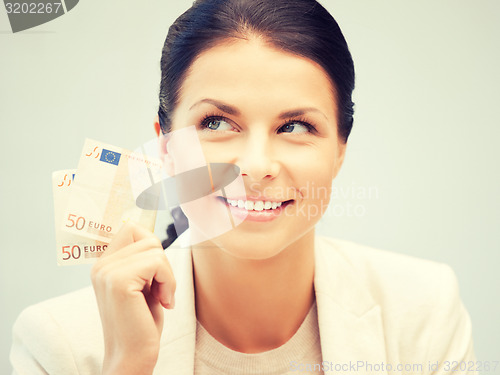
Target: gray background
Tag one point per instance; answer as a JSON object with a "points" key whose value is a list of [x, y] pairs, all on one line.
{"points": [[425, 137]]}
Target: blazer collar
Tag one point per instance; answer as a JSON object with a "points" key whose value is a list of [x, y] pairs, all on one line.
{"points": [[350, 323], [349, 320]]}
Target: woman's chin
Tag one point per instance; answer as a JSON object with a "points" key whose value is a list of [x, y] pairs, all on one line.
{"points": [[258, 246], [255, 252]]}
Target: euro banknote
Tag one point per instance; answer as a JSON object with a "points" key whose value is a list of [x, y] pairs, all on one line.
{"points": [[99, 197], [71, 249]]}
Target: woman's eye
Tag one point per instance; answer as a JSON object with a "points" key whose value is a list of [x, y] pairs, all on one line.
{"points": [[294, 127], [215, 124]]}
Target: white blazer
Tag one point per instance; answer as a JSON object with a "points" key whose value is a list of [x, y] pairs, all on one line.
{"points": [[378, 312]]}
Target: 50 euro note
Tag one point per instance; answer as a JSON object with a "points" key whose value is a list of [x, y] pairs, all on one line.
{"points": [[102, 196], [71, 249]]}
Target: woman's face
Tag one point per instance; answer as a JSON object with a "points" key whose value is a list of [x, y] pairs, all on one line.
{"points": [[274, 115]]}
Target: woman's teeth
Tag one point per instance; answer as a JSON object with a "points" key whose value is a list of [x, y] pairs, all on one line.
{"points": [[254, 205]]}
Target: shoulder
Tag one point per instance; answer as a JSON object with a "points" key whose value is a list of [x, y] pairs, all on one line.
{"points": [[384, 272], [419, 299], [68, 325], [399, 282], [71, 312]]}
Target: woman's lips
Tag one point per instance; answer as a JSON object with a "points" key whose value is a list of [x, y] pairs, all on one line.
{"points": [[256, 210]]}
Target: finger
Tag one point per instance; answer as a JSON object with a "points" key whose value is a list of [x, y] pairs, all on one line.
{"points": [[132, 274], [164, 292], [148, 243], [105, 268], [145, 244], [128, 234], [109, 260], [160, 273], [156, 308], [125, 265], [155, 293]]}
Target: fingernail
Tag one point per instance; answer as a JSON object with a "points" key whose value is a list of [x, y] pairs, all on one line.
{"points": [[171, 303]]}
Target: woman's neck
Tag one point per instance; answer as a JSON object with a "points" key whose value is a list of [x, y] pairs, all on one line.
{"points": [[254, 305]]}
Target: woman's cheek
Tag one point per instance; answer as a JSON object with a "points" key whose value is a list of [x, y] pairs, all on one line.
{"points": [[313, 181], [219, 151]]}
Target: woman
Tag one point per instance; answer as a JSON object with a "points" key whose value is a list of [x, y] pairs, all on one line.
{"points": [[268, 87]]}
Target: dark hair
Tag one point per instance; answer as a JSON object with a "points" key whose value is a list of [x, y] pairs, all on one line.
{"points": [[301, 27], [176, 228]]}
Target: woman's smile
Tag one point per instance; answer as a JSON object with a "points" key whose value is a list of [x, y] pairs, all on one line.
{"points": [[255, 209]]}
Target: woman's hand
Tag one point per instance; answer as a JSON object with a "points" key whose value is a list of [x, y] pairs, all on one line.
{"points": [[132, 281]]}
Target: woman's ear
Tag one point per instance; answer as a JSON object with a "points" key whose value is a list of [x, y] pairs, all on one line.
{"points": [[165, 156], [157, 126], [340, 158]]}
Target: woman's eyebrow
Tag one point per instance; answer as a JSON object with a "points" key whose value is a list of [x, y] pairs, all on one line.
{"points": [[299, 112], [229, 109], [222, 106]]}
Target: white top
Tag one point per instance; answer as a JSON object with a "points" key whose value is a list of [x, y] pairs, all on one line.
{"points": [[297, 356]]}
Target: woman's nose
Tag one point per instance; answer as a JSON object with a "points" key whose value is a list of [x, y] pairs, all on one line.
{"points": [[256, 159]]}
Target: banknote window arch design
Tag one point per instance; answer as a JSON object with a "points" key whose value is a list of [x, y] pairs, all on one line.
{"points": [[91, 152]]}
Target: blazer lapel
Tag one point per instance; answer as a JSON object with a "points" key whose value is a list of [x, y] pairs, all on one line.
{"points": [[350, 323], [177, 345]]}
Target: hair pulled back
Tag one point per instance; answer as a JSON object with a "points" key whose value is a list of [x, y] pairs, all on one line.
{"points": [[300, 27]]}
